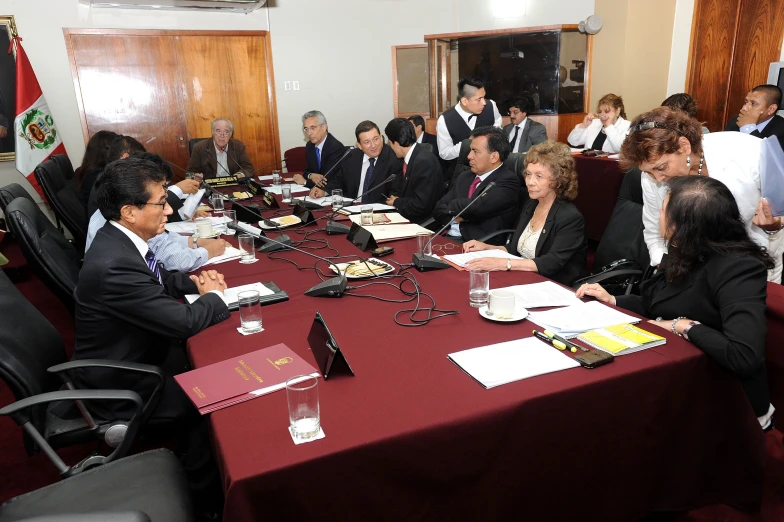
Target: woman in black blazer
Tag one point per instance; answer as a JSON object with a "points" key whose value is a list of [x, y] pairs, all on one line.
{"points": [[711, 287], [550, 235]]}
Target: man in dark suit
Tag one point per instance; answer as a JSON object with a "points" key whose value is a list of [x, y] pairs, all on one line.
{"points": [[420, 186], [322, 150], [421, 135], [758, 115], [523, 133], [365, 167], [498, 209], [222, 155]]}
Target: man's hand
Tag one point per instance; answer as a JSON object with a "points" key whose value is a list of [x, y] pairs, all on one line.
{"points": [[3, 132], [197, 215], [391, 201], [239, 174], [214, 247], [299, 179], [188, 186], [764, 217], [316, 193], [208, 281], [318, 180]]}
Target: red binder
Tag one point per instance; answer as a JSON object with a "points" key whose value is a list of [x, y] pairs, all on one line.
{"points": [[242, 378]]}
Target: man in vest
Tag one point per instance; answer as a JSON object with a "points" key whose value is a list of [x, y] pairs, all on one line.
{"points": [[457, 123]]}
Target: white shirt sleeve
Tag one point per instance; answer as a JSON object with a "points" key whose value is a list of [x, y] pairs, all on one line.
{"points": [[616, 133], [446, 149], [651, 209], [576, 138], [497, 115], [177, 191]]}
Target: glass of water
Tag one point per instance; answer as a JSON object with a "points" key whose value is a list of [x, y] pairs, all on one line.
{"points": [[217, 202], [250, 311], [285, 191], [479, 288], [303, 400], [247, 247], [367, 215], [337, 198], [276, 177]]}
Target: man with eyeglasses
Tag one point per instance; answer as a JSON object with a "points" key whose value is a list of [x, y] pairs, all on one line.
{"points": [[222, 155], [322, 150]]}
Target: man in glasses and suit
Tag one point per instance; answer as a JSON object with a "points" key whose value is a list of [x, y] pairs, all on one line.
{"points": [[322, 150], [221, 156], [523, 133]]}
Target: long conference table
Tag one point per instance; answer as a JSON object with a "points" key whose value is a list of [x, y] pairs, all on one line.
{"points": [[412, 437]]}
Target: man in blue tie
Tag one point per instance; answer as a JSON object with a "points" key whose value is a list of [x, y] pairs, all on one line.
{"points": [[322, 150], [366, 166]]}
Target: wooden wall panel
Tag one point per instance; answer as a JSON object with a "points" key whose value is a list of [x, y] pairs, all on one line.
{"points": [[710, 60], [758, 42]]}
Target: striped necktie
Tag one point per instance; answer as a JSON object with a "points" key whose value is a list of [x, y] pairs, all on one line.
{"points": [[152, 264]]}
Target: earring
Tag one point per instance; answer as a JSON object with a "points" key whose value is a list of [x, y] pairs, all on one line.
{"points": [[688, 161]]}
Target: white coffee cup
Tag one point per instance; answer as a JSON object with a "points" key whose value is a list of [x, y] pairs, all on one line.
{"points": [[501, 303], [204, 228]]}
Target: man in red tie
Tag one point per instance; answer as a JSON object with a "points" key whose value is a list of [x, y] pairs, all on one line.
{"points": [[499, 208], [415, 195]]}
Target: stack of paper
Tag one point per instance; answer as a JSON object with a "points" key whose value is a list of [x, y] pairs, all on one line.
{"points": [[191, 203], [461, 259], [400, 231], [511, 361], [547, 293], [229, 254], [277, 189], [326, 200], [380, 219], [573, 320], [189, 227], [230, 294]]}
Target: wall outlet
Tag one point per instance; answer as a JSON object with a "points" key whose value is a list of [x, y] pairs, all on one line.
{"points": [[295, 85], [286, 86]]}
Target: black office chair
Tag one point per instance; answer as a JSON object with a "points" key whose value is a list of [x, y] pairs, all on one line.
{"points": [[192, 143], [33, 364], [63, 200], [54, 259], [622, 253], [68, 172], [12, 191]]}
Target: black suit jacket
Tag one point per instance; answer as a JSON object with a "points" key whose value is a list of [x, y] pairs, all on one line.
{"points": [[421, 188], [561, 250], [124, 314], [331, 153], [432, 139], [775, 127], [727, 295], [533, 134], [346, 175], [497, 210], [203, 159]]}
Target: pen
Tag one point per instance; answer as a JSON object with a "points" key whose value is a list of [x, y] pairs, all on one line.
{"points": [[558, 344], [385, 195], [569, 344]]}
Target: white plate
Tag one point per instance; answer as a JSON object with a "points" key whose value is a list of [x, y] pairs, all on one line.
{"points": [[520, 313], [293, 220], [389, 268]]}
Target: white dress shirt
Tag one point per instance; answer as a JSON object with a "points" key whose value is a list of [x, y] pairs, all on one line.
{"points": [[515, 144], [222, 159], [616, 133], [733, 159], [751, 127], [421, 137], [454, 230], [448, 150]]}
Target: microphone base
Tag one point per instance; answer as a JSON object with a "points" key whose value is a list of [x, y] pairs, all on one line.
{"points": [[425, 263], [274, 247], [334, 227], [334, 287]]}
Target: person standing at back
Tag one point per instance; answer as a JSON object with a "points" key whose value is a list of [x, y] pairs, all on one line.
{"points": [[456, 123]]}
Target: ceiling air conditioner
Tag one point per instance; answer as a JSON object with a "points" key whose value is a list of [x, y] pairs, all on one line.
{"points": [[237, 6]]}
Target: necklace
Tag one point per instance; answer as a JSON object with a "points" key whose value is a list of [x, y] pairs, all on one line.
{"points": [[702, 162]]}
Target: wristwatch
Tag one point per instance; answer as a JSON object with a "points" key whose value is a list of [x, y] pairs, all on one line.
{"points": [[508, 265], [195, 239]]}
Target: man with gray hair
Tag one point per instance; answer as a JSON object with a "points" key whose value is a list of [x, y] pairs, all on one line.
{"points": [[322, 150], [222, 155]]}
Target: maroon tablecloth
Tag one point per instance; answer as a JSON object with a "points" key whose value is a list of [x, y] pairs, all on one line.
{"points": [[412, 437], [774, 348], [599, 181]]}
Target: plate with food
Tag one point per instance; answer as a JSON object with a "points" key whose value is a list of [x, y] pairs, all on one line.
{"points": [[283, 221], [242, 195], [361, 269]]}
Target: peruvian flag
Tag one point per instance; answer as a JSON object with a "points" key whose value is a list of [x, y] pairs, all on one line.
{"points": [[36, 135]]}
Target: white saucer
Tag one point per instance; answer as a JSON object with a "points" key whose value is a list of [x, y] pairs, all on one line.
{"points": [[520, 313], [211, 236]]}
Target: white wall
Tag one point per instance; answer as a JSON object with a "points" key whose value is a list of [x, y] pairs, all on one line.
{"points": [[339, 50]]}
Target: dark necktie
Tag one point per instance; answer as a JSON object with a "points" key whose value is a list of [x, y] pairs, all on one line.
{"points": [[514, 138], [366, 185], [152, 264], [405, 168], [473, 186], [318, 158]]}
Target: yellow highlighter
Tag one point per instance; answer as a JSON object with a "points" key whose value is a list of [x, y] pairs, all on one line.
{"points": [[563, 342]]}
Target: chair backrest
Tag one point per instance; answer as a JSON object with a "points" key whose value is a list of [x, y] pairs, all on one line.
{"points": [[68, 172], [10, 192], [515, 163], [296, 159], [192, 143], [623, 238], [29, 344], [54, 258], [63, 200]]}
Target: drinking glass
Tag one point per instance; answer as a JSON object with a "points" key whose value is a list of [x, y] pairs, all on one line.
{"points": [[246, 245], [285, 191], [217, 202], [229, 216], [479, 288], [423, 239], [276, 177], [367, 215], [337, 198], [303, 401], [250, 311]]}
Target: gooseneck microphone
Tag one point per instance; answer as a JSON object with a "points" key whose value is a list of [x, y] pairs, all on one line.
{"points": [[313, 206], [340, 228], [334, 287], [284, 160], [424, 262]]}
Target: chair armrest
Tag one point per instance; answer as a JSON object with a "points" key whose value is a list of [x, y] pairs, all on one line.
{"points": [[18, 411], [598, 278], [497, 233]]}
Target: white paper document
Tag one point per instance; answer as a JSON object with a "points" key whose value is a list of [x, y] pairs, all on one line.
{"points": [[189, 227], [230, 254], [230, 294], [547, 293], [376, 206], [400, 231], [326, 200], [192, 203], [393, 218], [277, 189], [772, 174], [511, 361], [571, 321], [461, 259]]}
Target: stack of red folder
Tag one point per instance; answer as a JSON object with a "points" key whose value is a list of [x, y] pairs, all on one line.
{"points": [[242, 378]]}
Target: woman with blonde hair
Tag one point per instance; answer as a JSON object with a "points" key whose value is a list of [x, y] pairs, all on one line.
{"points": [[550, 235], [603, 130]]}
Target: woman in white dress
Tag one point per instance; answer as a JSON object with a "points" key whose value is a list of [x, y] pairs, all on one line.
{"points": [[604, 130]]}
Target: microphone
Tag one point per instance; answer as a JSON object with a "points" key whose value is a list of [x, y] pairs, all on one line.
{"points": [[209, 152], [334, 287], [424, 262], [314, 206], [340, 228], [284, 160]]}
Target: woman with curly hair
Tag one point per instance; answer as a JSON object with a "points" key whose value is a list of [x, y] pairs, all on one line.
{"points": [[603, 130], [550, 235]]}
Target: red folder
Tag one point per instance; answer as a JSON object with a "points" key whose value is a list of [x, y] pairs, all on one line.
{"points": [[242, 378]]}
